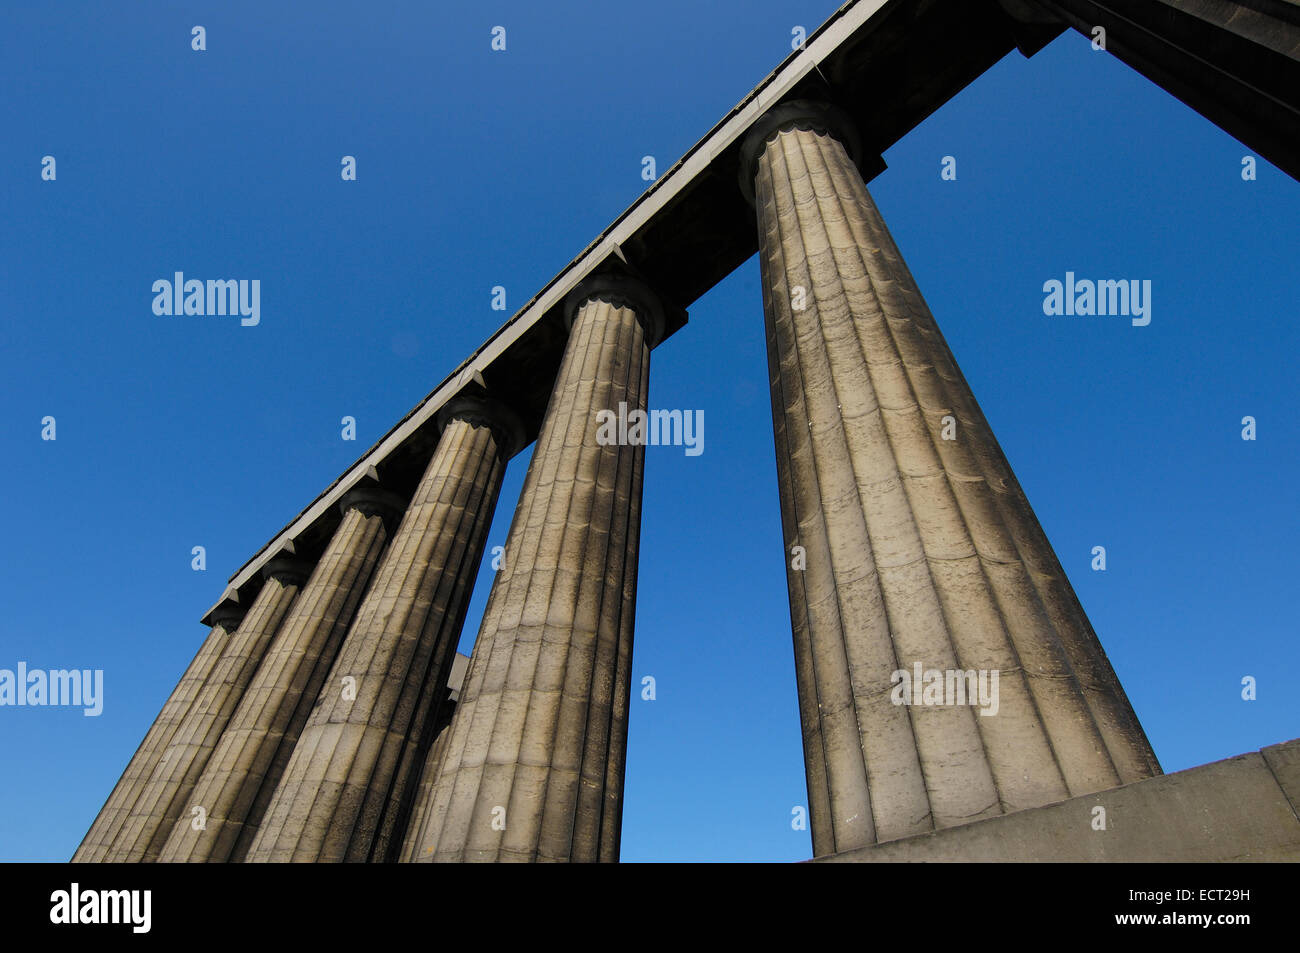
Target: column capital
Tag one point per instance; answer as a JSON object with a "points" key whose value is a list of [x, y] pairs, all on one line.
{"points": [[811, 114], [227, 615], [485, 411], [287, 570], [622, 290], [373, 501]]}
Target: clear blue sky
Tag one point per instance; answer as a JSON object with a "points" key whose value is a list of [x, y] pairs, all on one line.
{"points": [[478, 169]]}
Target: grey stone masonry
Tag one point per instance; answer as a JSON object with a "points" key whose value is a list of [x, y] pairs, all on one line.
{"points": [[252, 754], [167, 792], [1239, 810], [917, 545], [346, 783], [533, 768], [95, 845]]}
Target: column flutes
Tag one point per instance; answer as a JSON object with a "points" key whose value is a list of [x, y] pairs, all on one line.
{"points": [[533, 768], [359, 754], [167, 792], [108, 823], [251, 755], [919, 546]]}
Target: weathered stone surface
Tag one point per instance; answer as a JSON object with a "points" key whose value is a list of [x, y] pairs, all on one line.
{"points": [[922, 548], [167, 793], [433, 762], [424, 792], [1228, 811], [250, 757], [108, 823], [346, 785], [1284, 761], [919, 549], [533, 768]]}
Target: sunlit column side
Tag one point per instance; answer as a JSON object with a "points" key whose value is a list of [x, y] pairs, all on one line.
{"points": [[348, 778], [107, 824], [167, 792], [533, 768], [915, 548], [251, 755]]}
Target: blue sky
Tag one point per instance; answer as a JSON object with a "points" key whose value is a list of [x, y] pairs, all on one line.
{"points": [[478, 169]]}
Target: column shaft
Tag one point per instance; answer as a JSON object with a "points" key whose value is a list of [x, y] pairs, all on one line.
{"points": [[919, 549], [533, 770], [167, 793], [250, 757], [108, 823], [424, 792], [360, 751]]}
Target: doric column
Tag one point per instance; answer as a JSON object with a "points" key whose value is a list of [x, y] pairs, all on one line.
{"points": [[168, 790], [349, 776], [533, 769], [250, 757], [433, 761], [1236, 63], [108, 823], [916, 548], [424, 792]]}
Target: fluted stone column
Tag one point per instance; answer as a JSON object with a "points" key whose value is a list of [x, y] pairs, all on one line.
{"points": [[349, 778], [251, 756], [168, 790], [108, 823], [917, 548], [533, 770], [433, 762], [424, 792]]}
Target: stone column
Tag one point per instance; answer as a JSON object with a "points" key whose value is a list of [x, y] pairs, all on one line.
{"points": [[108, 823], [168, 790], [348, 780], [918, 545], [243, 771], [1237, 64], [424, 792], [433, 760], [533, 770]]}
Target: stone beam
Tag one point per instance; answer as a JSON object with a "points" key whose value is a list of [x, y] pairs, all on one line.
{"points": [[1236, 63]]}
